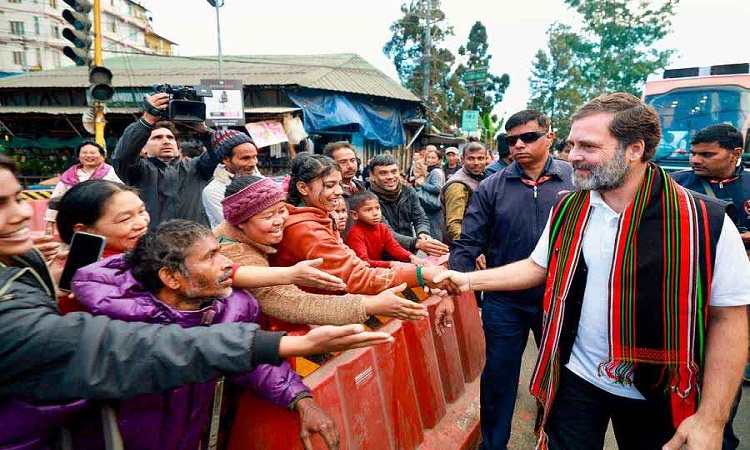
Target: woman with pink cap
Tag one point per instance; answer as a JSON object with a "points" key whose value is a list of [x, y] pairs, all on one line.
{"points": [[255, 215]]}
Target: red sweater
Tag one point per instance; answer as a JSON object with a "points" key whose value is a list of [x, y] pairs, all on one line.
{"points": [[369, 242]]}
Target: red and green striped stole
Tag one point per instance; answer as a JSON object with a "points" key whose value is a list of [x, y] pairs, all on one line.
{"points": [[658, 291]]}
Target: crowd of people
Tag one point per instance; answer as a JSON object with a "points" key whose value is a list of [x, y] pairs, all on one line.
{"points": [[633, 282]]}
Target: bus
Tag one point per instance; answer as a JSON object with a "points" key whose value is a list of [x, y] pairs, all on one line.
{"points": [[692, 98]]}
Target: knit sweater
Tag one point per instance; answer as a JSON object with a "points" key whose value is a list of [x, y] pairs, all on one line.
{"points": [[369, 242], [288, 302]]}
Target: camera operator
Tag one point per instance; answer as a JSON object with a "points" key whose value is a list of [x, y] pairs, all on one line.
{"points": [[169, 186]]}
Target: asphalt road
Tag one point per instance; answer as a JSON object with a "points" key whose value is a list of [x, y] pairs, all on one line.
{"points": [[522, 437]]}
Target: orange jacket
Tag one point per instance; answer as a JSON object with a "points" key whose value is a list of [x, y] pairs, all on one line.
{"points": [[309, 234]]}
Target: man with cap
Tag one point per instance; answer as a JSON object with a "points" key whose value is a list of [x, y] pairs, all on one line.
{"points": [[452, 165], [169, 186], [239, 157], [503, 153]]}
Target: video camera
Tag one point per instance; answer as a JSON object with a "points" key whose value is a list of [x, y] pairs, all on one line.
{"points": [[185, 102]]}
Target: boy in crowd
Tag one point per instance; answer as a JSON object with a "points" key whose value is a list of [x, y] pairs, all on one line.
{"points": [[370, 238], [340, 216]]}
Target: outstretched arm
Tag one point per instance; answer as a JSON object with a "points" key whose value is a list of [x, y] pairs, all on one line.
{"points": [[519, 275], [303, 273]]}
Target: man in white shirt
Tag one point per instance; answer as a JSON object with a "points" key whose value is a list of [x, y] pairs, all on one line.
{"points": [[646, 287], [239, 157]]}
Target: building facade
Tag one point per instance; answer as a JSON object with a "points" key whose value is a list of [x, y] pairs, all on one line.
{"points": [[31, 33]]}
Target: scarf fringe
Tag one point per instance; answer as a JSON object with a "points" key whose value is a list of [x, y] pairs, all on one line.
{"points": [[618, 371]]}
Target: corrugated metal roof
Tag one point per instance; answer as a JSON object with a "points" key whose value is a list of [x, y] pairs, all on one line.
{"points": [[12, 109], [344, 72]]}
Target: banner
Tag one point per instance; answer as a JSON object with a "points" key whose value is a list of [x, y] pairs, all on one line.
{"points": [[267, 132]]}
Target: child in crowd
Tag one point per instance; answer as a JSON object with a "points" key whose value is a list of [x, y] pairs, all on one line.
{"points": [[369, 238]]}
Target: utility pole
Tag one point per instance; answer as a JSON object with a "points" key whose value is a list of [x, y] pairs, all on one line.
{"points": [[426, 55], [218, 4], [99, 121]]}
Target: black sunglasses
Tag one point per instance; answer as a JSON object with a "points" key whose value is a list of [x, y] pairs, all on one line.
{"points": [[527, 138]]}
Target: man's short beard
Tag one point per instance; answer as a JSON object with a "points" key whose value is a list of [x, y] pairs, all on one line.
{"points": [[603, 177]]}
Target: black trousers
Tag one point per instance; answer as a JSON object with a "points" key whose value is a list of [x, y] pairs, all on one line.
{"points": [[581, 413]]}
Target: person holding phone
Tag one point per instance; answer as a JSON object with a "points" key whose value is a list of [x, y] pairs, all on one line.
{"points": [[50, 361]]}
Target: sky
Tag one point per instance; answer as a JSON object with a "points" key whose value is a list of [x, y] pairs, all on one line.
{"points": [[705, 32]]}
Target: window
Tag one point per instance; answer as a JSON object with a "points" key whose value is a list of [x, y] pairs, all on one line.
{"points": [[53, 3], [17, 28], [113, 26], [57, 59], [39, 57], [19, 58], [14, 1], [36, 26], [55, 31]]}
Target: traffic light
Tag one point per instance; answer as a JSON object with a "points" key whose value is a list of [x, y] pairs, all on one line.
{"points": [[101, 89], [78, 35]]}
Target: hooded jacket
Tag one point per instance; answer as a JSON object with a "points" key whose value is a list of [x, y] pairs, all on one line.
{"points": [[108, 288], [50, 360], [309, 234]]}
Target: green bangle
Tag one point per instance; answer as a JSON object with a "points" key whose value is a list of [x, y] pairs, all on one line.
{"points": [[420, 278]]}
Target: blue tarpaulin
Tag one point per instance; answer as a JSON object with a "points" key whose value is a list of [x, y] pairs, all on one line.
{"points": [[325, 110]]}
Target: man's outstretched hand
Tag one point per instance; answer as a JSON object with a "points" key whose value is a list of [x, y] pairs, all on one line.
{"points": [[431, 246], [304, 273], [436, 285], [387, 303], [331, 338], [457, 279]]}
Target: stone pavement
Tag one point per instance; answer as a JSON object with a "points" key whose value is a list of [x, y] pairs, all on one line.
{"points": [[522, 436]]}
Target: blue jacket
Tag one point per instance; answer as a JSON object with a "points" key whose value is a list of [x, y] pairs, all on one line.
{"points": [[504, 222], [736, 191]]}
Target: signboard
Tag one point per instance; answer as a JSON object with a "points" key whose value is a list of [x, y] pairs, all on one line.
{"points": [[225, 108], [475, 77], [470, 120], [267, 132]]}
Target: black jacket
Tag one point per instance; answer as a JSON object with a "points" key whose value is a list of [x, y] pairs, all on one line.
{"points": [[48, 357], [406, 218], [505, 219], [170, 191]]}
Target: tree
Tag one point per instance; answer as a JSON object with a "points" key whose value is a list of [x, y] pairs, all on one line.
{"points": [[477, 56], [612, 52], [448, 94], [556, 83]]}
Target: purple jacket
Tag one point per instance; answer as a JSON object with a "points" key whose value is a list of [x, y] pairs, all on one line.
{"points": [[179, 418]]}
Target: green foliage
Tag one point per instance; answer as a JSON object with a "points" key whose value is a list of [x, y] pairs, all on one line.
{"points": [[448, 94], [613, 52]]}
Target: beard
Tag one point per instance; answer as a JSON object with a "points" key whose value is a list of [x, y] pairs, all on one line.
{"points": [[603, 177]]}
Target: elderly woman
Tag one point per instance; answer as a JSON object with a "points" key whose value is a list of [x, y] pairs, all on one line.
{"points": [[314, 192], [91, 166], [255, 215]]}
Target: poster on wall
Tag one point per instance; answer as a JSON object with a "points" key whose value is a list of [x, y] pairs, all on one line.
{"points": [[267, 132], [225, 108]]}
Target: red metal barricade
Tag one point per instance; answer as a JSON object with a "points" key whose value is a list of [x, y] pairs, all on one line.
{"points": [[421, 391]]}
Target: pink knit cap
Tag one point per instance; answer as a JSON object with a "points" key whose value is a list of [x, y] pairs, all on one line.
{"points": [[241, 206]]}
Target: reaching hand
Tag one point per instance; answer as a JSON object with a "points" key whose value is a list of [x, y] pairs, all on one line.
{"points": [[387, 303], [458, 279], [304, 273], [444, 315], [443, 286], [315, 421], [47, 246], [695, 433], [431, 246], [331, 338]]}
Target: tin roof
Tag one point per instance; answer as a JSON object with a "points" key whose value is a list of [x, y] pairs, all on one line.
{"points": [[344, 72]]}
